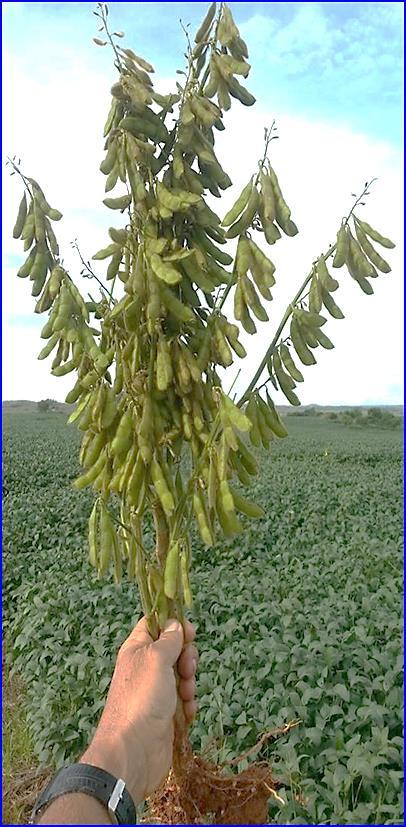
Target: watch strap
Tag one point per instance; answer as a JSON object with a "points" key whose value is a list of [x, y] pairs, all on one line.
{"points": [[84, 778]]}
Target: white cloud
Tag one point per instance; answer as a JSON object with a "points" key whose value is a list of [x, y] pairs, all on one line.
{"points": [[340, 58], [306, 38], [318, 165]]}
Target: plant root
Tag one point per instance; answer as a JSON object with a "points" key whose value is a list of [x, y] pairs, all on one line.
{"points": [[197, 792]]}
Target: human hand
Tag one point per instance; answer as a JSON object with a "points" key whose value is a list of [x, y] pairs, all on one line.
{"points": [[134, 738]]}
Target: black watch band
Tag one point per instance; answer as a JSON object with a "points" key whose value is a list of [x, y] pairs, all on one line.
{"points": [[84, 778]]}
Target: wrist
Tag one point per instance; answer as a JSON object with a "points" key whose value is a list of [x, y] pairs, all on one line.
{"points": [[74, 808], [112, 755]]}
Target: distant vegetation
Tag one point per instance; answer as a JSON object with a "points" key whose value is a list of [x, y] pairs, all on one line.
{"points": [[375, 417]]}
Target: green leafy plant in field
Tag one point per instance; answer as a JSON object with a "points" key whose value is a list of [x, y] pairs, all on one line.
{"points": [[162, 439], [298, 618]]}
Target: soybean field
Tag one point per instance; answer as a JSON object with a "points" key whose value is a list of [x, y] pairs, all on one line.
{"points": [[299, 618]]}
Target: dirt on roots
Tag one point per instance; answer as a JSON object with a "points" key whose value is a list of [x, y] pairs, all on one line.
{"points": [[197, 792], [206, 796]]}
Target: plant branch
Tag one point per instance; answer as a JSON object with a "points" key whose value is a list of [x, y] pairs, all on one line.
{"points": [[92, 274], [292, 304], [17, 169], [103, 17], [272, 346], [161, 534], [224, 295], [268, 137]]}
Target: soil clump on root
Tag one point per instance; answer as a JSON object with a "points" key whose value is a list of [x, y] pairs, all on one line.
{"points": [[198, 792]]}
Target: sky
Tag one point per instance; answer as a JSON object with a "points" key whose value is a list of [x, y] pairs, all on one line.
{"points": [[329, 74]]}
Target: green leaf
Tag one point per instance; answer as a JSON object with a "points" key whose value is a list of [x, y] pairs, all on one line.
{"points": [[342, 691]]}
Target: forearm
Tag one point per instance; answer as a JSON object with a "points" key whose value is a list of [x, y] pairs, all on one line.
{"points": [[80, 808], [75, 808]]}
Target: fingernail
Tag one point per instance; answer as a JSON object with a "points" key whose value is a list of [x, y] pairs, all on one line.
{"points": [[194, 664]]}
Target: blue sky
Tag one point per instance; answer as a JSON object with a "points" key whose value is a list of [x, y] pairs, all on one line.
{"points": [[341, 61], [331, 75]]}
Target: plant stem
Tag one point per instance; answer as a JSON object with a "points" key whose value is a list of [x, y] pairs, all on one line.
{"points": [[108, 35], [91, 272], [16, 169], [268, 138], [224, 296], [161, 534]]}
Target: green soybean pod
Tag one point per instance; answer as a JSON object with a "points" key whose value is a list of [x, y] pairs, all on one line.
{"points": [[247, 458], [240, 469], [202, 519], [120, 203], [370, 251], [386, 242], [91, 474], [26, 268], [309, 318], [342, 247], [106, 541], [315, 300], [331, 306], [203, 29], [252, 413], [21, 216], [305, 355], [118, 564], [187, 594], [247, 507], [272, 417], [49, 346], [226, 496], [289, 364], [93, 534], [323, 339], [155, 583], [228, 520], [114, 265], [162, 610], [171, 571], [326, 280], [284, 379], [135, 481]]}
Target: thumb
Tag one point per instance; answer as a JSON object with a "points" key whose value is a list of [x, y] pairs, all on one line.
{"points": [[170, 642], [139, 636]]}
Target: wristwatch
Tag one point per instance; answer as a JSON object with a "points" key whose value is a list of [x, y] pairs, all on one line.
{"points": [[84, 778]]}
